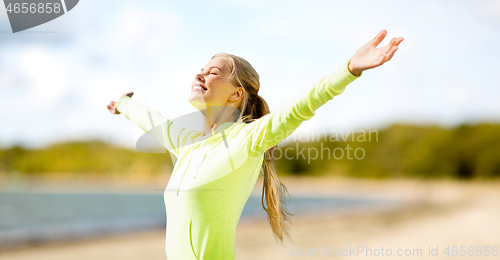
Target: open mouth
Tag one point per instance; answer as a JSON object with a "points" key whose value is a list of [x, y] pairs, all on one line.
{"points": [[199, 88]]}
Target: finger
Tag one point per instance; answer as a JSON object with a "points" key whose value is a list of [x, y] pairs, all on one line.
{"points": [[380, 36], [387, 48], [400, 39], [390, 54], [395, 45], [394, 42]]}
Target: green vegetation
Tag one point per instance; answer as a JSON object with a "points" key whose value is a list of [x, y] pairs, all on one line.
{"points": [[91, 159], [465, 152]]}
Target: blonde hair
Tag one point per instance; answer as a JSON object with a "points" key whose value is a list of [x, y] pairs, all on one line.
{"points": [[254, 107]]}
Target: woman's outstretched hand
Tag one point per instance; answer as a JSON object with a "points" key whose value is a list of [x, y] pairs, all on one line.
{"points": [[112, 104], [369, 57]]}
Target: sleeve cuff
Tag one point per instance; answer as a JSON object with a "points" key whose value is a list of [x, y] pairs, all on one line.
{"points": [[121, 103]]}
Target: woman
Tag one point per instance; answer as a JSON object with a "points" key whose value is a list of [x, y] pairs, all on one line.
{"points": [[217, 167]]}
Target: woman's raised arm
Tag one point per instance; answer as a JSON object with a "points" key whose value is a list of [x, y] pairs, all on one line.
{"points": [[170, 136], [271, 129]]}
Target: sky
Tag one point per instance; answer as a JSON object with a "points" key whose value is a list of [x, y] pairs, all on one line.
{"points": [[57, 78]]}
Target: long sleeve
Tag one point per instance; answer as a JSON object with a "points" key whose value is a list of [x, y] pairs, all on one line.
{"points": [[271, 129], [170, 136]]}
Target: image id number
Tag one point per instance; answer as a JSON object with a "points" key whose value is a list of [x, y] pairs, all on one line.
{"points": [[471, 251], [33, 8]]}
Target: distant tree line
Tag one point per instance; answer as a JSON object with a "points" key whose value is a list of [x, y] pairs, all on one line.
{"points": [[465, 152], [400, 150], [95, 158]]}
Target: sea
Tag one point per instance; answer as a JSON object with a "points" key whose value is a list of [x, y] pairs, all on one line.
{"points": [[33, 218]]}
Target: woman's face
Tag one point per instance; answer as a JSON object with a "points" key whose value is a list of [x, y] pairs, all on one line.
{"points": [[216, 87]]}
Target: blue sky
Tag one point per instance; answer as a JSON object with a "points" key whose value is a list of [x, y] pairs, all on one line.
{"points": [[56, 79]]}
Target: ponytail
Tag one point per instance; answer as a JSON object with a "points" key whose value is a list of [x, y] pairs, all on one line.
{"points": [[274, 192]]}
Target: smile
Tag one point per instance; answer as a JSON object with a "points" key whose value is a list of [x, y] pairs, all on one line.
{"points": [[199, 88]]}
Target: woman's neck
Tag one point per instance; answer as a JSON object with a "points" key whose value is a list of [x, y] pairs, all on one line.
{"points": [[213, 117]]}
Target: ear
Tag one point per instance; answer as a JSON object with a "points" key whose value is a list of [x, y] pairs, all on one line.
{"points": [[237, 94]]}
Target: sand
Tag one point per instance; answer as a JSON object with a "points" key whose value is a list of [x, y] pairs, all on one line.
{"points": [[436, 215]]}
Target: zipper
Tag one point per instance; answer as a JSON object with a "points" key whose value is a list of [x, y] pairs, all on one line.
{"points": [[184, 173], [202, 160], [199, 148]]}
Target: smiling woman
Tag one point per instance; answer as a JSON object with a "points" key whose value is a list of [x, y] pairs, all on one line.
{"points": [[216, 85], [215, 174]]}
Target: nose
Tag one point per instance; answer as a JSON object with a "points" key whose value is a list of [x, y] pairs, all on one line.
{"points": [[200, 77]]}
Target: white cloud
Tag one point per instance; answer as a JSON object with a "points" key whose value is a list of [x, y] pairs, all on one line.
{"points": [[109, 87], [47, 76]]}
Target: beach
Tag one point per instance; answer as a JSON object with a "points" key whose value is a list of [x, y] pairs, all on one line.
{"points": [[437, 214]]}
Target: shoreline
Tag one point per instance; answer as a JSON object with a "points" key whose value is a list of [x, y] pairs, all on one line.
{"points": [[326, 185]]}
